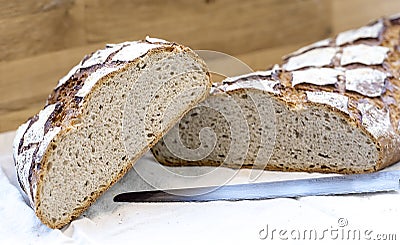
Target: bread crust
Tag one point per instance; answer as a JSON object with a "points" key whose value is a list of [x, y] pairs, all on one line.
{"points": [[368, 101], [68, 108]]}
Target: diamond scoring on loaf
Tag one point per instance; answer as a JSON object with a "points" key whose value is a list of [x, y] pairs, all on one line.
{"points": [[314, 58], [394, 17], [319, 44], [316, 76], [372, 31], [260, 80], [366, 81], [335, 100], [364, 54], [93, 78], [259, 84], [16, 143], [375, 120], [131, 52], [35, 133], [65, 78], [100, 56]]}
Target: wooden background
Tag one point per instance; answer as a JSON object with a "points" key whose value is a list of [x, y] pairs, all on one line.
{"points": [[40, 40]]}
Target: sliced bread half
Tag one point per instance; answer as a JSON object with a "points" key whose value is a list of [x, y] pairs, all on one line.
{"points": [[102, 117], [332, 107]]}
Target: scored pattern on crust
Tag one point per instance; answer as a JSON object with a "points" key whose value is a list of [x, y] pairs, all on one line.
{"points": [[317, 76], [100, 56], [376, 121], [364, 54], [341, 70], [366, 81], [260, 84], [371, 31], [92, 79], [329, 98], [34, 137], [125, 52], [260, 80], [319, 57], [18, 138], [363, 70], [31, 147], [319, 44]]}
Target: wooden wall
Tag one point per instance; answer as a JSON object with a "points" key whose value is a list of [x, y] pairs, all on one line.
{"points": [[40, 40]]}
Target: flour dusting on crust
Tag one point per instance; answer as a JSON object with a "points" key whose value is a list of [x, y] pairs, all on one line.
{"points": [[366, 81], [317, 76], [372, 31], [314, 58]]}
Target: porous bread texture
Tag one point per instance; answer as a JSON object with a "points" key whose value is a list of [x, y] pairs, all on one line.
{"points": [[311, 138], [335, 114], [106, 115]]}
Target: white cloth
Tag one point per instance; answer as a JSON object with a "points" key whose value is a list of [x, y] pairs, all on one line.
{"points": [[246, 222]]}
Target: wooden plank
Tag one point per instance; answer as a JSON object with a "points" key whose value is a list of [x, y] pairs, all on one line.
{"points": [[45, 31], [25, 84], [24, 7], [355, 13], [230, 26]]}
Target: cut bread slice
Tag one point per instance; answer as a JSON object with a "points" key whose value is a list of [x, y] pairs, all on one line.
{"points": [[330, 107], [102, 117]]}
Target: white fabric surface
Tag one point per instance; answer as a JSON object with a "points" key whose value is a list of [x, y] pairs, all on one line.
{"points": [[224, 222]]}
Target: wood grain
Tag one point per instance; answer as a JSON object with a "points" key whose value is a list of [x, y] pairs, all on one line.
{"points": [[230, 26], [26, 7], [26, 83], [38, 33]]}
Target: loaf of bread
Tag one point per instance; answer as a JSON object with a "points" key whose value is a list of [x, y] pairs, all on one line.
{"points": [[332, 106], [103, 116]]}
